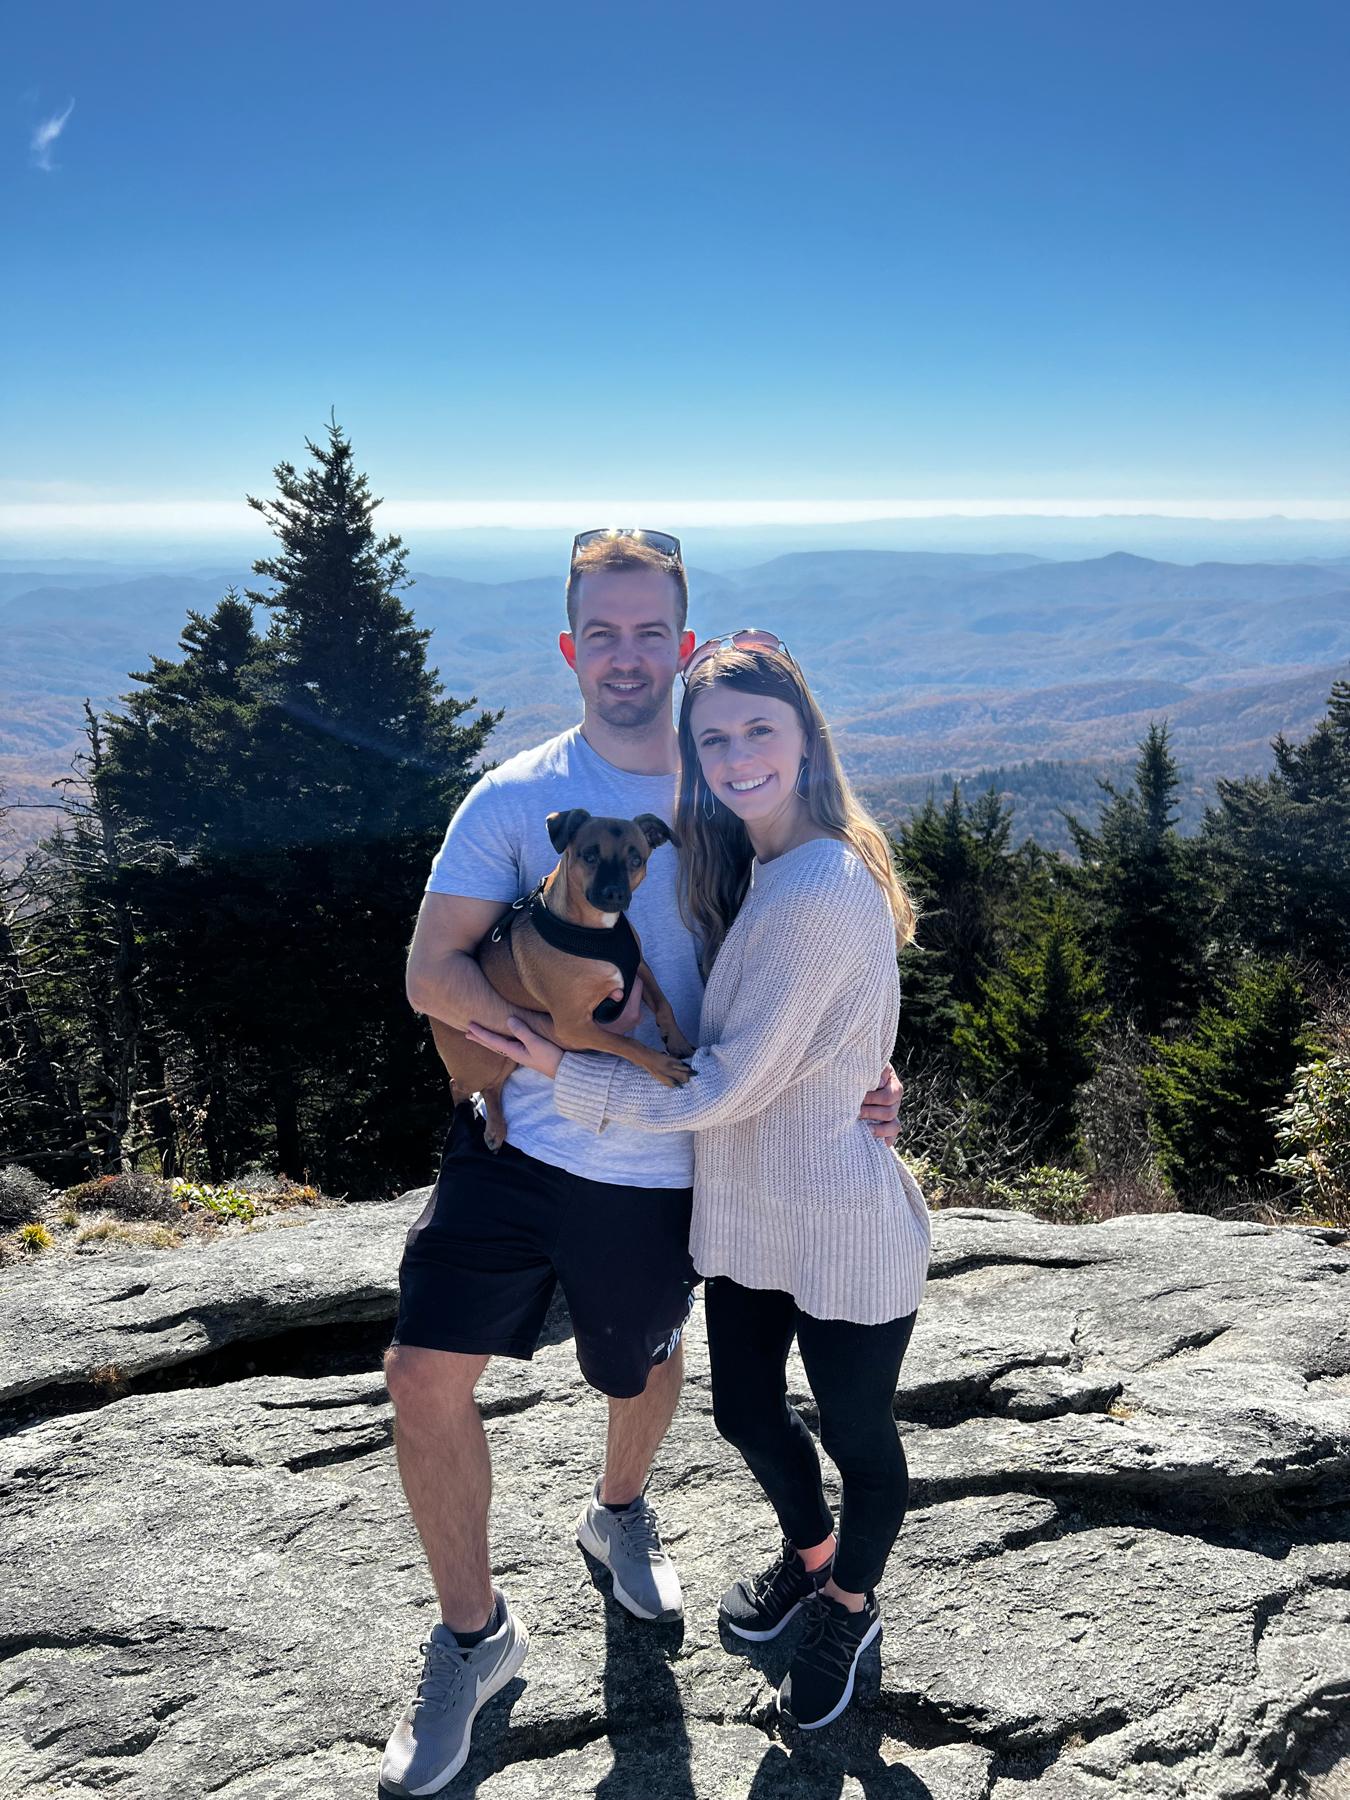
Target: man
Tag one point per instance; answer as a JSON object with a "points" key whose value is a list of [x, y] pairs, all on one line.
{"points": [[558, 1203]]}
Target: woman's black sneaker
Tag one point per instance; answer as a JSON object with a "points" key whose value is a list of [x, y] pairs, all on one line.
{"points": [[758, 1610], [819, 1685]]}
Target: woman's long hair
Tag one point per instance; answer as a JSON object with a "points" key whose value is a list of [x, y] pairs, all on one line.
{"points": [[715, 852]]}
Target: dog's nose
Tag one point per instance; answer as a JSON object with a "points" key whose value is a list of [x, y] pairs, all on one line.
{"points": [[607, 898]]}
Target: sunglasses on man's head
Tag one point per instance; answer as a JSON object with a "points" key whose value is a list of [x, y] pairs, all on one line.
{"points": [[657, 540], [749, 639]]}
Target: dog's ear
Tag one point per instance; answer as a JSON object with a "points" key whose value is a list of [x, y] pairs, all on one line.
{"points": [[655, 830], [564, 826]]}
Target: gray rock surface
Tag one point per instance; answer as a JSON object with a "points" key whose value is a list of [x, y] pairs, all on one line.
{"points": [[1127, 1567], [134, 1311]]}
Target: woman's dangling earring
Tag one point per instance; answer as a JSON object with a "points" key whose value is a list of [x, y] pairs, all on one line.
{"points": [[709, 803], [801, 791]]}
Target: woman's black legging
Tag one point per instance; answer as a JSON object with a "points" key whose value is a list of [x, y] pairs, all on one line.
{"points": [[853, 1370]]}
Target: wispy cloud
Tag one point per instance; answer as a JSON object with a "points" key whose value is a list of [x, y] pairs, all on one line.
{"points": [[46, 135]]}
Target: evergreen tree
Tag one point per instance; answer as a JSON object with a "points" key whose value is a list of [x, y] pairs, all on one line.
{"points": [[1280, 846], [316, 768], [958, 866], [1140, 887], [184, 758], [41, 1115], [1214, 1091], [1037, 1020], [75, 986]]}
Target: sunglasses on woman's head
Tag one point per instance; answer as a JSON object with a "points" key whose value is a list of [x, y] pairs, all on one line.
{"points": [[657, 540], [750, 639]]}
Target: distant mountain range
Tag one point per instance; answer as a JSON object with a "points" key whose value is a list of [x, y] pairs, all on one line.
{"points": [[924, 662]]}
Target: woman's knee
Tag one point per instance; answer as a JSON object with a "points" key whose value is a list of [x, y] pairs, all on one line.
{"points": [[746, 1426], [867, 1450]]}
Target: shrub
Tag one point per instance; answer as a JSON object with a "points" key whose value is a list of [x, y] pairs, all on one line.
{"points": [[277, 1190], [1112, 1112], [1312, 1134], [220, 1200], [33, 1239], [130, 1195], [1059, 1195], [960, 1137], [22, 1196]]}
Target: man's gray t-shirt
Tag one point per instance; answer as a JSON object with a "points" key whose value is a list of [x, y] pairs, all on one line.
{"points": [[497, 848]]}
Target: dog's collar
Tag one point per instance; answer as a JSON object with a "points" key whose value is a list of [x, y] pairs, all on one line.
{"points": [[578, 940]]}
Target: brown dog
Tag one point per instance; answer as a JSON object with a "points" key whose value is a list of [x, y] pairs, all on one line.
{"points": [[562, 950]]}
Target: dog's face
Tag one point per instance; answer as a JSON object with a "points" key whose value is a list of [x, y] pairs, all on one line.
{"points": [[606, 859]]}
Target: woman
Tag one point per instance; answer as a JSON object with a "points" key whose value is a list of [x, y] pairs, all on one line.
{"points": [[803, 1223]]}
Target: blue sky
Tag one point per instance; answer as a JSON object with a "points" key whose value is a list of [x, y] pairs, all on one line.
{"points": [[980, 251]]}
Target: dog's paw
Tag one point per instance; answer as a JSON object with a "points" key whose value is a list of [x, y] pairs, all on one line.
{"points": [[671, 1072], [678, 1044]]}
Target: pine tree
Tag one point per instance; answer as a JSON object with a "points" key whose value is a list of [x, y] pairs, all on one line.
{"points": [[1037, 1021], [298, 784], [1213, 1092], [1279, 846], [183, 758], [957, 863], [1140, 886]]}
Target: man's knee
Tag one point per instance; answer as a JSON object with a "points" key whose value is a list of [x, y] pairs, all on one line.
{"points": [[430, 1381]]}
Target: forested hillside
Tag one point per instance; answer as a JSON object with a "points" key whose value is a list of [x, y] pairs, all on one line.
{"points": [[927, 663], [201, 968]]}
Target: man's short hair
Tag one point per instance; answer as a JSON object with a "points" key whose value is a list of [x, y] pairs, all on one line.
{"points": [[626, 553]]}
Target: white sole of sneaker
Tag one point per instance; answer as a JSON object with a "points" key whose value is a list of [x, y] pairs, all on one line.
{"points": [[492, 1684], [762, 1637], [847, 1694], [590, 1540]]}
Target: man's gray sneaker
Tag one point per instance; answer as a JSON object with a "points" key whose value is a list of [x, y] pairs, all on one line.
{"points": [[629, 1545], [430, 1743]]}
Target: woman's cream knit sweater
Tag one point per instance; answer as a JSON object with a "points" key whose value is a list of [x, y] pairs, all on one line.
{"points": [[791, 1190]]}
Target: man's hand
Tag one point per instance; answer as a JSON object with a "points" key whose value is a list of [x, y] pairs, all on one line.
{"points": [[881, 1108], [628, 1018]]}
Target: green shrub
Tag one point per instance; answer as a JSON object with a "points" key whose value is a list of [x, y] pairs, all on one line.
{"points": [[219, 1200], [33, 1239], [22, 1196], [1312, 1134], [1060, 1195]]}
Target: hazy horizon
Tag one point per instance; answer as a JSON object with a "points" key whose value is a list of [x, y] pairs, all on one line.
{"points": [[505, 553]]}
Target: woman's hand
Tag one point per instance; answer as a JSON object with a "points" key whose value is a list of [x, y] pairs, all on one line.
{"points": [[881, 1108], [526, 1047]]}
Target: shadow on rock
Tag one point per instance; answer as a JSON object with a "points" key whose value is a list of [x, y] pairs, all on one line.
{"points": [[817, 1763], [771, 1658], [640, 1696]]}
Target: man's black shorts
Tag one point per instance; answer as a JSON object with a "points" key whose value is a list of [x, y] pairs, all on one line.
{"points": [[499, 1232]]}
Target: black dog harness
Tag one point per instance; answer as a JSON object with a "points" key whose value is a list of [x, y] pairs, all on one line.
{"points": [[616, 943]]}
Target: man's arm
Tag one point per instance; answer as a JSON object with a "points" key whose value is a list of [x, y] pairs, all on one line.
{"points": [[445, 982], [443, 979]]}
